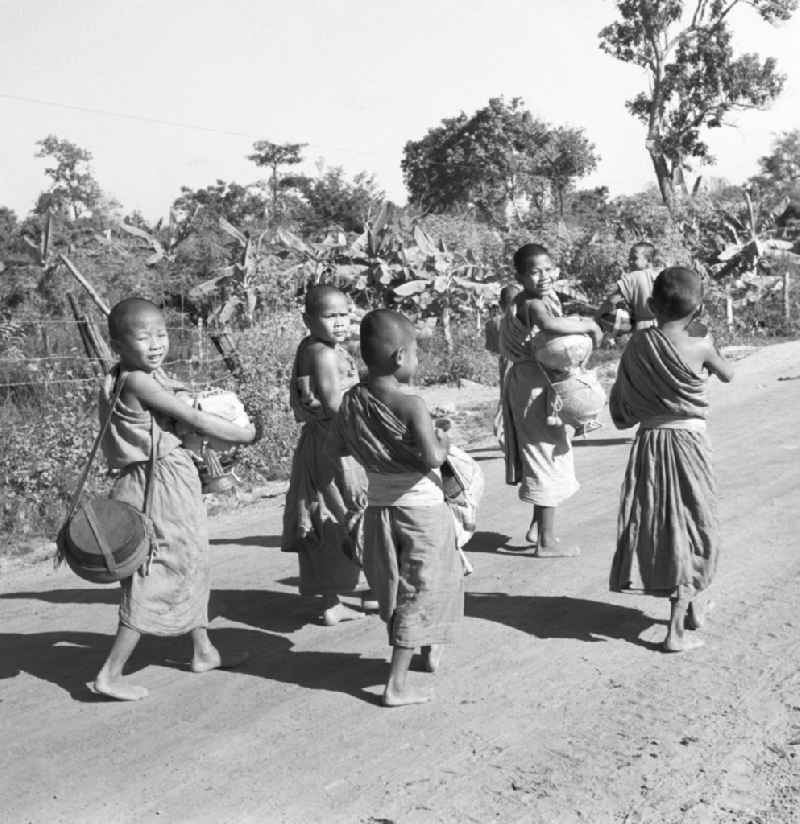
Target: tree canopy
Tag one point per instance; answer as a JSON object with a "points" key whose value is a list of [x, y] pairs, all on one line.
{"points": [[74, 190], [497, 160], [694, 78]]}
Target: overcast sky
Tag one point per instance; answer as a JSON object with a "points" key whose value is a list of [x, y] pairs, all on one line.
{"points": [[353, 80]]}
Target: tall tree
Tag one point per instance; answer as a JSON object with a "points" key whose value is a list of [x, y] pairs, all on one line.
{"points": [[694, 78], [779, 171], [568, 155], [236, 203], [332, 199], [74, 190], [494, 161], [273, 156]]}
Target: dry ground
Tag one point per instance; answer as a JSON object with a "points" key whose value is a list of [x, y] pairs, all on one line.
{"points": [[553, 707]]}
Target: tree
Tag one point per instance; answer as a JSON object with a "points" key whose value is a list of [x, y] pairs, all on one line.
{"points": [[498, 160], [568, 155], [694, 78], [779, 171], [74, 189], [238, 204], [274, 156], [332, 200]]}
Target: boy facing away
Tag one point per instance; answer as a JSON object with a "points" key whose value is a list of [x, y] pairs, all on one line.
{"points": [[410, 555], [668, 509], [169, 595], [538, 455], [327, 495]]}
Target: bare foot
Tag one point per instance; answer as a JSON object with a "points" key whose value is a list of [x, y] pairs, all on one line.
{"points": [[555, 550], [211, 660], [340, 612], [401, 698], [532, 535], [697, 615], [369, 603], [683, 645], [432, 657], [117, 688]]}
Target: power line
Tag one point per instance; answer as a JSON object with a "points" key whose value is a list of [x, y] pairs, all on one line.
{"points": [[174, 123], [126, 116]]}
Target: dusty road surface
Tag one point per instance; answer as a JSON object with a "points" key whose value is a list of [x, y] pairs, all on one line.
{"points": [[554, 707]]}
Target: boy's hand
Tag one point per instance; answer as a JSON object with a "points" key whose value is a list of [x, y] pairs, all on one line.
{"points": [[443, 436]]}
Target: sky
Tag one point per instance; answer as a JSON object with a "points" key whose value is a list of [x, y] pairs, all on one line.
{"points": [[353, 80]]}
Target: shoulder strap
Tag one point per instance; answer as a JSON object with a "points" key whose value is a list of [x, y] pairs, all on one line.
{"points": [[151, 469], [103, 429]]}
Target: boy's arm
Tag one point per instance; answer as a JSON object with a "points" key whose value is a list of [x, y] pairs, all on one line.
{"points": [[157, 399], [716, 364], [539, 316], [324, 368], [433, 444]]}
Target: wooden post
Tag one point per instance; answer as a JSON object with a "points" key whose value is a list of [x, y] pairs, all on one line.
{"points": [[201, 343], [787, 304], [225, 346], [96, 348], [729, 307], [99, 302]]}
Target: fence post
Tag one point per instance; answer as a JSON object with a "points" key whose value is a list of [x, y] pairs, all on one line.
{"points": [[787, 304], [96, 348]]}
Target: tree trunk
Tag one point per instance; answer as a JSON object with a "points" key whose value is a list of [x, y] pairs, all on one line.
{"points": [[787, 306], [666, 184], [446, 329], [729, 308]]}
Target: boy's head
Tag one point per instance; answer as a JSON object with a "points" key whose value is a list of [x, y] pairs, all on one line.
{"points": [[677, 294], [641, 256], [507, 295], [389, 344], [327, 314], [138, 334], [534, 269]]}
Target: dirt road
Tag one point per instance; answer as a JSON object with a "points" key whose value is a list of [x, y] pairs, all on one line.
{"points": [[554, 707]]}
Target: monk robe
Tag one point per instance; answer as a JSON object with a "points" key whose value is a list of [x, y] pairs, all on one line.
{"points": [[326, 496], [667, 528], [538, 456], [170, 595], [410, 555]]}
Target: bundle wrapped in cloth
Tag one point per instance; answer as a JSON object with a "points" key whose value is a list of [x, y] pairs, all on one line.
{"points": [[575, 394], [215, 458]]}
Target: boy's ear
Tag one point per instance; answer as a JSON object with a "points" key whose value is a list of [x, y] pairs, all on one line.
{"points": [[650, 305], [307, 320], [114, 346], [399, 357]]}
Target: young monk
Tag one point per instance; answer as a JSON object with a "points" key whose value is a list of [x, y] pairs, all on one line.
{"points": [[169, 595], [538, 455], [410, 557], [631, 294], [668, 516], [326, 496]]}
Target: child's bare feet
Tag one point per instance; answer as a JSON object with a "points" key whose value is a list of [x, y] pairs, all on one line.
{"points": [[688, 642], [210, 659], [339, 612], [369, 603], [119, 688], [553, 549], [532, 535], [393, 697], [432, 657], [697, 614]]}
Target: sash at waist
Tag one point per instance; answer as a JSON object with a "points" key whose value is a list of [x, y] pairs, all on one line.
{"points": [[404, 489], [667, 422]]}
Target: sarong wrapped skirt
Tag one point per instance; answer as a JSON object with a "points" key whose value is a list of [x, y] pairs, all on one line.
{"points": [[667, 528], [413, 567], [173, 598]]}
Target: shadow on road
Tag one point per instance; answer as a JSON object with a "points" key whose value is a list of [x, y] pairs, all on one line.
{"points": [[267, 541], [561, 617], [70, 659], [601, 441], [260, 608]]}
